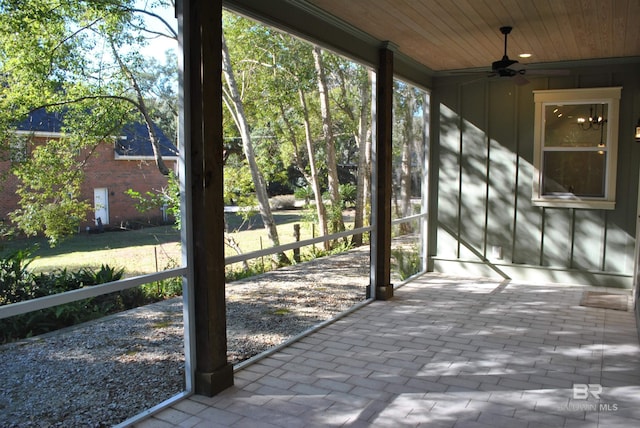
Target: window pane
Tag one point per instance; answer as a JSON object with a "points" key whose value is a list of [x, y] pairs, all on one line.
{"points": [[576, 173], [575, 125]]}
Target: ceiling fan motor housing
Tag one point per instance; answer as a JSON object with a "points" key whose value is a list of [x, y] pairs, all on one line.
{"points": [[503, 64]]}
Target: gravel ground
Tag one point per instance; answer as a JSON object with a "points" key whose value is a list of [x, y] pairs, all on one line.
{"points": [[101, 373]]}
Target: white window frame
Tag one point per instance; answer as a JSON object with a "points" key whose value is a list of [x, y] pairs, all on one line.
{"points": [[609, 96]]}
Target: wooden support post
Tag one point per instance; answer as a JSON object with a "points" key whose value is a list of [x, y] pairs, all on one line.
{"points": [[296, 236], [384, 128], [203, 145]]}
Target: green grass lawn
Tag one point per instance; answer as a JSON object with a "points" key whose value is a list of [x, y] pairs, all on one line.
{"points": [[252, 236], [137, 251], [151, 249]]}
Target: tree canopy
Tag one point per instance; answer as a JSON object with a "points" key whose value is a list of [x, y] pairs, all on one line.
{"points": [[297, 115], [83, 59]]}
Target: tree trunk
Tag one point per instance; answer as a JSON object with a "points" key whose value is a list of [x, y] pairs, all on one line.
{"points": [[364, 158], [314, 179], [142, 106], [237, 111], [230, 242], [327, 130], [405, 168]]}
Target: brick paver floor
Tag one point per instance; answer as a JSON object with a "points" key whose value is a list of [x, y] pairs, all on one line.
{"points": [[444, 352]]}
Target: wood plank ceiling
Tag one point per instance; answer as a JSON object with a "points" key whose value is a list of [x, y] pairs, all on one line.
{"points": [[449, 35]]}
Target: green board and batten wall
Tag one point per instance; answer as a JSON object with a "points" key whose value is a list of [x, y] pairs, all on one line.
{"points": [[482, 147]]}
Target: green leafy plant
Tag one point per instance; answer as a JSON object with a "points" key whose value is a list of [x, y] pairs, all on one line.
{"points": [[49, 191], [17, 282], [407, 262], [348, 194], [305, 193], [105, 274], [168, 197], [256, 267], [312, 253]]}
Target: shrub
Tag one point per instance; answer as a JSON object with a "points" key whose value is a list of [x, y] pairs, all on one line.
{"points": [[408, 263], [167, 197], [17, 283], [170, 287], [348, 193], [313, 252], [103, 275], [305, 193], [256, 267]]}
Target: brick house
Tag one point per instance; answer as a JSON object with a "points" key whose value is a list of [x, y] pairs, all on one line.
{"points": [[116, 165]]}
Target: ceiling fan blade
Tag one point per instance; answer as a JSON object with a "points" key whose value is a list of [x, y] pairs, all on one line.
{"points": [[470, 71], [516, 66], [519, 79], [541, 72]]}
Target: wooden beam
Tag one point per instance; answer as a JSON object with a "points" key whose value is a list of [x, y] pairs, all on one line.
{"points": [[384, 125], [203, 94]]}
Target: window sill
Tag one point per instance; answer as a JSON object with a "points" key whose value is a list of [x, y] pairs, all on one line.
{"points": [[574, 203]]}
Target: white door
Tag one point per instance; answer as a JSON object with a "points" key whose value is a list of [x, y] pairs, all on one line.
{"points": [[101, 205]]}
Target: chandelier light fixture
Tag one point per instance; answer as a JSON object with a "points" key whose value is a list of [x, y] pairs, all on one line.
{"points": [[601, 145], [594, 121]]}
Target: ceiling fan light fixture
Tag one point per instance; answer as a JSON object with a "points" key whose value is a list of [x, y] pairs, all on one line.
{"points": [[506, 67], [525, 55]]}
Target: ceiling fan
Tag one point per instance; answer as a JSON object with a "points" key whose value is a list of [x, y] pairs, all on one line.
{"points": [[507, 67], [512, 69]]}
